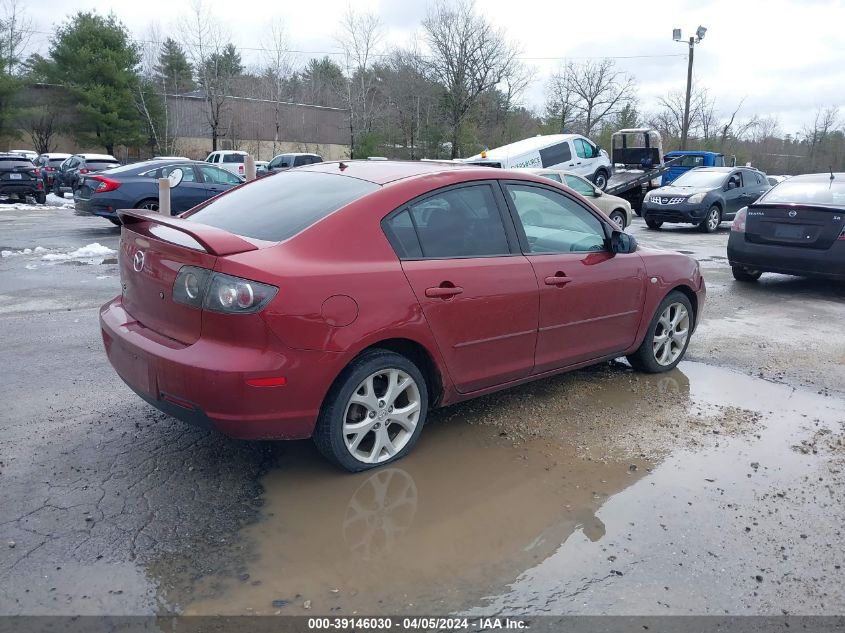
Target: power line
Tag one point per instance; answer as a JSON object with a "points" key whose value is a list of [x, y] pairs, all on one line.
{"points": [[261, 49]]}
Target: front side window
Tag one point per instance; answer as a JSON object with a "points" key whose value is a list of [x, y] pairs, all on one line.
{"points": [[584, 149], [554, 223], [734, 181], [463, 222], [580, 185]]}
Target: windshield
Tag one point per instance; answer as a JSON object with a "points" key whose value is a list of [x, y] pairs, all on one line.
{"points": [[808, 192], [700, 179]]}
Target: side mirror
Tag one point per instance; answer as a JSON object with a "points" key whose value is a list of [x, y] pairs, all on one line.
{"points": [[621, 242], [597, 193], [175, 177]]}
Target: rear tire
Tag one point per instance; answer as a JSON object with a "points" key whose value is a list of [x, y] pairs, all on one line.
{"points": [[600, 179], [667, 337], [653, 224], [115, 222], [741, 273], [150, 204], [369, 418], [712, 220], [619, 217], [41, 197]]}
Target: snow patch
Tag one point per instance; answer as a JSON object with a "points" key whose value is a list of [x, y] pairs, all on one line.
{"points": [[95, 251]]}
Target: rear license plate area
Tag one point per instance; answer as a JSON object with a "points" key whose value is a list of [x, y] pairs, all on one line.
{"points": [[133, 368], [15, 177], [792, 231]]}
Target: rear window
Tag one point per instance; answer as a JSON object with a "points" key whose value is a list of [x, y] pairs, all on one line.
{"points": [[56, 161], [277, 208], [10, 162], [233, 158], [688, 161], [101, 164], [807, 192]]}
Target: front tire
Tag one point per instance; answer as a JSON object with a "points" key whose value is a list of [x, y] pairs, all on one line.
{"points": [[741, 273], [668, 336], [653, 224], [619, 217], [712, 220], [41, 197], [374, 412]]}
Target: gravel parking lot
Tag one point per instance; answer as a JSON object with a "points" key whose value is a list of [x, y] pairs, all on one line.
{"points": [[717, 488]]}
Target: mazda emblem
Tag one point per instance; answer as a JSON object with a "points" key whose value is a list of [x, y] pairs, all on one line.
{"points": [[138, 261], [792, 214]]}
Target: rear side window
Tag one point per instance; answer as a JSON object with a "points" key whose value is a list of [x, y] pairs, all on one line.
{"points": [[301, 160], [277, 208], [233, 158], [555, 154], [462, 222], [402, 236]]}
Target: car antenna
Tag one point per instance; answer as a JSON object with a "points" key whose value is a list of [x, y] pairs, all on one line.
{"points": [[831, 173]]}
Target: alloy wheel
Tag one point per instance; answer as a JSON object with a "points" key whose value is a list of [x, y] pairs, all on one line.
{"points": [[713, 219], [150, 206], [671, 333], [381, 416]]}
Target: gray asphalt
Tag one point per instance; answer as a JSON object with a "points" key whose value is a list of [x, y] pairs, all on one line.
{"points": [[109, 507]]}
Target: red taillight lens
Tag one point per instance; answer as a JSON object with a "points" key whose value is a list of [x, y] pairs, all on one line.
{"points": [[241, 168], [201, 288], [842, 234], [106, 184], [84, 170], [739, 221], [37, 171], [48, 168]]}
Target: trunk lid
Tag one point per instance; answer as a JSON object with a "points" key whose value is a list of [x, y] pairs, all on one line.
{"points": [[153, 249], [808, 226]]}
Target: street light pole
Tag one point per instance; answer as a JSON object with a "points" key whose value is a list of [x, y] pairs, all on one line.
{"points": [[685, 130], [699, 35]]}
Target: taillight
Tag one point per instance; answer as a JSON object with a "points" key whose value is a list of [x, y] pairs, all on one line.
{"points": [[48, 168], [842, 234], [84, 170], [37, 171], [739, 220], [202, 288], [241, 168], [106, 184]]}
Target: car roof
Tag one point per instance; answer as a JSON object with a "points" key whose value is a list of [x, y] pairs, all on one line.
{"points": [[7, 155], [56, 155], [97, 157], [716, 169], [692, 152], [229, 151], [381, 172], [821, 177]]}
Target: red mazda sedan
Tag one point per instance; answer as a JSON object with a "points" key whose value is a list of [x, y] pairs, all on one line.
{"points": [[341, 301]]}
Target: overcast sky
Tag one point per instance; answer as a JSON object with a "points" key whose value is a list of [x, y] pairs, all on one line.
{"points": [[786, 57]]}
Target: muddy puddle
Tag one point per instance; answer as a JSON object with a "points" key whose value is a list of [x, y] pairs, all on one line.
{"points": [[600, 491]]}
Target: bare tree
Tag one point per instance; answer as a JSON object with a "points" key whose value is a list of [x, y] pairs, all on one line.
{"points": [[468, 57], [277, 70], [360, 38], [15, 32], [560, 101], [600, 90], [207, 47], [815, 135]]}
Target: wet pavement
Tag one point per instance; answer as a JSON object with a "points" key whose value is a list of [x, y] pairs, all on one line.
{"points": [[714, 489]]}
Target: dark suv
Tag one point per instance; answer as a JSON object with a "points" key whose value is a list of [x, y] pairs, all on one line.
{"points": [[704, 196], [19, 178], [70, 173], [286, 161]]}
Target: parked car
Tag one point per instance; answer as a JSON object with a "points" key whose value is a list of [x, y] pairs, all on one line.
{"points": [[286, 161], [19, 178], [170, 158], [704, 196], [69, 173], [230, 160], [261, 167], [28, 153], [571, 152], [48, 164], [690, 159], [617, 209], [364, 293], [796, 228], [136, 187]]}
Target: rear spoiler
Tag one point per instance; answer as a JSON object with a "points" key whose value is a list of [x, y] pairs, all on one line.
{"points": [[215, 241]]}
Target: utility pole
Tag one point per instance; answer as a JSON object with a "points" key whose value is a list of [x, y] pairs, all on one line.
{"points": [[699, 35], [685, 131]]}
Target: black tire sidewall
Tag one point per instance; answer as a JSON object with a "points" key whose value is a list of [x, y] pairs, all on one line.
{"points": [[643, 359], [600, 173], [328, 435]]}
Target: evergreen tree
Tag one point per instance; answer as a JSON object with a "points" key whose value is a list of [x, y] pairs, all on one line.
{"points": [[93, 57], [173, 71]]}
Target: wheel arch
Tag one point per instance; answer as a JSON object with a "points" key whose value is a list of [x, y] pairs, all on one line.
{"points": [[693, 299]]}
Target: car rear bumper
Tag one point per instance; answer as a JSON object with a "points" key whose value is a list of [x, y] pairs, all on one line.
{"points": [[89, 207], [204, 384], [788, 260], [29, 188], [680, 213]]}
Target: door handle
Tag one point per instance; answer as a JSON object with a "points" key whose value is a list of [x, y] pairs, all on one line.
{"points": [[443, 292], [558, 279]]}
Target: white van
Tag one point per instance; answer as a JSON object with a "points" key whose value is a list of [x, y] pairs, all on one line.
{"points": [[570, 152]]}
